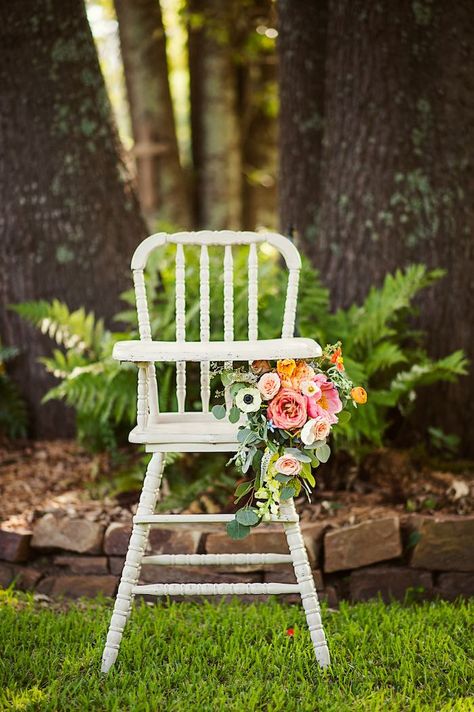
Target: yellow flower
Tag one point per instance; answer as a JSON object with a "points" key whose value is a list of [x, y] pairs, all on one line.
{"points": [[359, 395], [286, 367]]}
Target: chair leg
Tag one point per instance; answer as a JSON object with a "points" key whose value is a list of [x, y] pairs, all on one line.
{"points": [[133, 561], [304, 577]]}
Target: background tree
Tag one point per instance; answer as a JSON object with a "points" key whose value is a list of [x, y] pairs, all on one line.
{"points": [[161, 182], [389, 174], [70, 220]]}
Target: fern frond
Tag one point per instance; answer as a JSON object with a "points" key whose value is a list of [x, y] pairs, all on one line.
{"points": [[446, 369], [13, 413]]}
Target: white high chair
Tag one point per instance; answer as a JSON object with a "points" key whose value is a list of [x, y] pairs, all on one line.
{"points": [[184, 431]]}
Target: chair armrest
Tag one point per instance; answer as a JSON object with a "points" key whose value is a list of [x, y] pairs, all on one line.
{"points": [[173, 351]]}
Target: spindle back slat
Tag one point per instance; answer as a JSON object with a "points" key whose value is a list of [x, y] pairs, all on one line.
{"points": [[226, 239], [205, 324], [180, 324]]}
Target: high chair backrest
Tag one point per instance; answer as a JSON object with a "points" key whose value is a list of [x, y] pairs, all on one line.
{"points": [[225, 239]]}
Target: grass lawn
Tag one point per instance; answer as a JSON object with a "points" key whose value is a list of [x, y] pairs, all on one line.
{"points": [[191, 657]]}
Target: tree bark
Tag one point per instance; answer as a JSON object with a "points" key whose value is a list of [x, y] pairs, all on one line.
{"points": [[258, 123], [302, 37], [161, 182], [394, 182], [214, 122], [70, 220]]}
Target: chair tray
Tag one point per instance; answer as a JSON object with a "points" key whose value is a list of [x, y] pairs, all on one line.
{"points": [[188, 428], [271, 349]]}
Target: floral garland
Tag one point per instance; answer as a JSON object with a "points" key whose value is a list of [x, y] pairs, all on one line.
{"points": [[289, 408]]}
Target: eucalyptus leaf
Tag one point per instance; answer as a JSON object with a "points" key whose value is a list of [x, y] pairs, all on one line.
{"points": [[323, 453], [287, 492], [236, 387], [234, 414], [247, 517], [297, 454], [227, 378], [219, 411], [236, 530], [242, 433], [283, 478]]}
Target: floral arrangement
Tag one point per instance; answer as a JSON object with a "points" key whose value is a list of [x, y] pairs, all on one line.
{"points": [[288, 409]]}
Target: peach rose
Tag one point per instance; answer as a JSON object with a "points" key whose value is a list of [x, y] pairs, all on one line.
{"points": [[288, 409], [269, 385], [288, 465], [303, 372], [315, 429]]}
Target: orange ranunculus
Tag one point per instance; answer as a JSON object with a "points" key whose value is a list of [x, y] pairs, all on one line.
{"points": [[359, 395], [286, 367]]}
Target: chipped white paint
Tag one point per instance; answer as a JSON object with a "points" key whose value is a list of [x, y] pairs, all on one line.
{"points": [[199, 431]]}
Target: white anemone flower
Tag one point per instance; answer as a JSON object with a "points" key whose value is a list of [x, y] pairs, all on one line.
{"points": [[248, 400]]}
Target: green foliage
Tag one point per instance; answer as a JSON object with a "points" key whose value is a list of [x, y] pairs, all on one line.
{"points": [[382, 352], [236, 656], [13, 415]]}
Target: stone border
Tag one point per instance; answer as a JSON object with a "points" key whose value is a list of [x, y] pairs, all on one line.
{"points": [[387, 556]]}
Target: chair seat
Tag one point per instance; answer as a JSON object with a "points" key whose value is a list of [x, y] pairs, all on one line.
{"points": [[216, 350], [187, 432]]}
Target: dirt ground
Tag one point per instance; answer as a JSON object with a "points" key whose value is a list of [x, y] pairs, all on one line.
{"points": [[40, 476]]}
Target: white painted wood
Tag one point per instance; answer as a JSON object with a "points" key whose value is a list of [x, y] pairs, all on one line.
{"points": [[220, 237], [253, 293], [305, 581], [203, 518], [180, 326], [216, 350], [142, 397], [290, 304], [205, 329], [217, 559], [215, 589], [131, 569], [191, 431]]}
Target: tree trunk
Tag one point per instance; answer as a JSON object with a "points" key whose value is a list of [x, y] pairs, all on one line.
{"points": [[161, 183], [258, 122], [302, 31], [394, 183], [214, 121], [70, 220]]}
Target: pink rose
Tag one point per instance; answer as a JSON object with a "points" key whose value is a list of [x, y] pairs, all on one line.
{"points": [[329, 402], [315, 429], [288, 409], [269, 385], [288, 465]]}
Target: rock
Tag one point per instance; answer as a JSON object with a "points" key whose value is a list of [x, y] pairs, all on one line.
{"points": [[77, 586], [116, 565], [71, 534], [391, 582], [267, 538], [14, 546], [174, 540], [454, 584], [196, 574], [444, 544], [285, 574], [83, 564], [22, 577], [362, 544]]}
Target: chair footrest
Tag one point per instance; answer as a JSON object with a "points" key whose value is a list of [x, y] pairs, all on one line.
{"points": [[215, 589], [216, 559], [199, 518]]}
